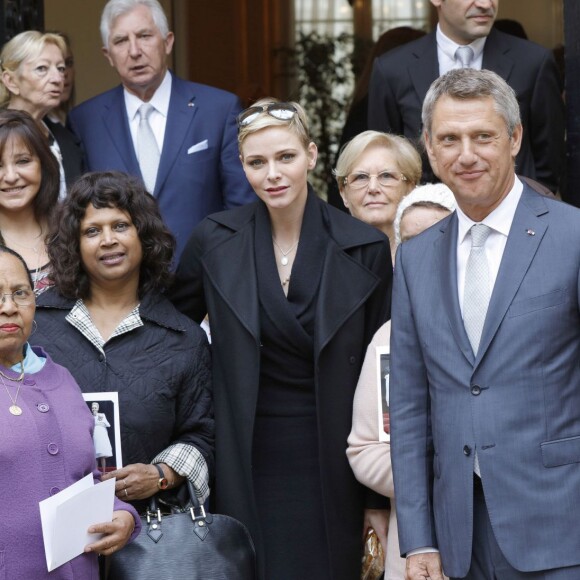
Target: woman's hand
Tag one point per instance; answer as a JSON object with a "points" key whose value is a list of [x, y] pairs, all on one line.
{"points": [[116, 533], [386, 423], [378, 520], [135, 481]]}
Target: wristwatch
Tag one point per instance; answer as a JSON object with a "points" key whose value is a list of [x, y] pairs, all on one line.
{"points": [[162, 482]]}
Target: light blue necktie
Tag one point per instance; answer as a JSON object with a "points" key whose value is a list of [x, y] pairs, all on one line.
{"points": [[477, 287], [464, 56], [476, 294], [147, 149]]}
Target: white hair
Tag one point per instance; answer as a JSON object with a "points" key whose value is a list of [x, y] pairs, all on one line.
{"points": [[115, 8]]}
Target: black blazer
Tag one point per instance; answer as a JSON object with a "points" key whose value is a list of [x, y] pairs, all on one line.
{"points": [[401, 78], [70, 148], [217, 274]]}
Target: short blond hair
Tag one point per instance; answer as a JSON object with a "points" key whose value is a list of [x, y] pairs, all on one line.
{"points": [[298, 123], [407, 157], [25, 46]]}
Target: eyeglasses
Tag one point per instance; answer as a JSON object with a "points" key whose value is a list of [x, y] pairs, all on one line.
{"points": [[20, 297], [384, 178], [280, 111]]}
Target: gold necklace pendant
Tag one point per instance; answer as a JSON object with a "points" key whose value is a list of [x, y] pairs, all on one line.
{"points": [[14, 408]]}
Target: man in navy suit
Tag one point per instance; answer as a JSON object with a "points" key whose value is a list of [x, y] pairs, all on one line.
{"points": [[401, 77], [485, 357], [195, 169]]}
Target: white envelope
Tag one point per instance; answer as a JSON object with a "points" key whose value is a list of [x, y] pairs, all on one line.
{"points": [[67, 516], [198, 147]]}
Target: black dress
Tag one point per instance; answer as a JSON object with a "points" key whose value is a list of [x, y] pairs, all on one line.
{"points": [[286, 469]]}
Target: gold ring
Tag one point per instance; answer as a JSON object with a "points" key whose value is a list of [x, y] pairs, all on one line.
{"points": [[125, 484], [126, 494]]}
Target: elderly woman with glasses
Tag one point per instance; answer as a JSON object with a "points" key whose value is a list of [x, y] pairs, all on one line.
{"points": [[294, 289], [374, 172]]}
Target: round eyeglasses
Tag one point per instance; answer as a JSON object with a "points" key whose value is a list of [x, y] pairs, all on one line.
{"points": [[20, 297], [280, 111], [384, 179]]}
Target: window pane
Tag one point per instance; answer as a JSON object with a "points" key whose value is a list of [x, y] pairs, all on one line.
{"points": [[392, 13], [323, 16]]}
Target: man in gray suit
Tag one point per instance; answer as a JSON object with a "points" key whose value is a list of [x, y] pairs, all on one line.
{"points": [[485, 357]]}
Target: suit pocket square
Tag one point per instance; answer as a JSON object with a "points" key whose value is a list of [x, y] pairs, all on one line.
{"points": [[201, 146]]}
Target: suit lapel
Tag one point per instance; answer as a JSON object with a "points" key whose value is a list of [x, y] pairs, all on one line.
{"points": [[524, 238], [231, 267], [182, 110], [447, 268], [116, 123], [496, 55], [426, 68]]}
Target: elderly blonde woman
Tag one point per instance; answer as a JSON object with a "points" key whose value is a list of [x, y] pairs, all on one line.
{"points": [[287, 350], [368, 452], [33, 75], [374, 172]]}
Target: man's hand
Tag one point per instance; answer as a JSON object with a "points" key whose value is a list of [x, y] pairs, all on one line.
{"points": [[421, 566]]}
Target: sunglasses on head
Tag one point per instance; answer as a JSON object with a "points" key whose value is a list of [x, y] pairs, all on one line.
{"points": [[280, 111]]}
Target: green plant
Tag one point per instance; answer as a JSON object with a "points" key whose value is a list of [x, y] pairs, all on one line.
{"points": [[324, 73]]}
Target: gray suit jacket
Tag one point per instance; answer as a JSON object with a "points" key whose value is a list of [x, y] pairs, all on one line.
{"points": [[517, 402], [402, 77]]}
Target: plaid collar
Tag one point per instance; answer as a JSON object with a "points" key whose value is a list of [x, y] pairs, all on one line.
{"points": [[80, 318]]}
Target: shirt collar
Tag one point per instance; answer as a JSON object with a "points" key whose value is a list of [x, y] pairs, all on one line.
{"points": [[80, 318], [499, 220], [160, 99], [32, 362], [449, 46]]}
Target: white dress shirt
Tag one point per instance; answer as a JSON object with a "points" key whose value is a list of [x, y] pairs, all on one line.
{"points": [[446, 52], [157, 118], [500, 221]]}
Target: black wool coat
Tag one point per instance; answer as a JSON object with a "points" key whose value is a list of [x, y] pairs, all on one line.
{"points": [[161, 371], [217, 275]]}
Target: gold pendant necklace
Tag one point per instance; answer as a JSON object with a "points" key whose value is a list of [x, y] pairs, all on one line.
{"points": [[14, 408]]}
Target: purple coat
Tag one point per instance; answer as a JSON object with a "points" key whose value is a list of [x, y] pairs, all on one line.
{"points": [[42, 451]]}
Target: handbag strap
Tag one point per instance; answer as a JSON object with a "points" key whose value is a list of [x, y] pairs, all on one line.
{"points": [[201, 519]]}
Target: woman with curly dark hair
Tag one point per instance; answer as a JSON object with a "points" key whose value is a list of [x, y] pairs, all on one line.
{"points": [[108, 322]]}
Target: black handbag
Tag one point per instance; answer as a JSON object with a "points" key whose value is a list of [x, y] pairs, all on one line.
{"points": [[193, 545]]}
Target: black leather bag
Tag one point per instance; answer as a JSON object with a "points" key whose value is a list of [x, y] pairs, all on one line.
{"points": [[194, 545]]}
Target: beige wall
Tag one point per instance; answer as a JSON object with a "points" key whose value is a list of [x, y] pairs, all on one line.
{"points": [[229, 43], [542, 19]]}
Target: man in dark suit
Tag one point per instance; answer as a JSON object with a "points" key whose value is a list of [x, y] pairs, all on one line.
{"points": [[185, 146], [401, 77], [485, 350]]}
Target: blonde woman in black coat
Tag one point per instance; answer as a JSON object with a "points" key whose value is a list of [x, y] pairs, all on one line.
{"points": [[294, 290]]}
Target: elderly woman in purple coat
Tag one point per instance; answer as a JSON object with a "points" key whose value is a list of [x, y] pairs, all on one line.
{"points": [[46, 441]]}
